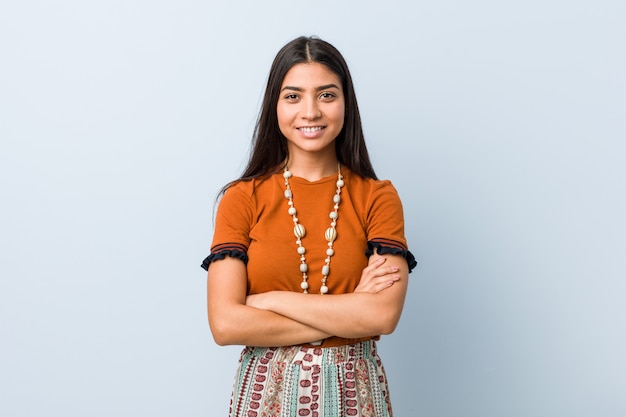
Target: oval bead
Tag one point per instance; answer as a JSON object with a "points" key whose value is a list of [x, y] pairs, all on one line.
{"points": [[291, 211], [340, 183], [336, 199], [304, 285], [333, 215], [288, 194], [299, 231], [324, 289], [287, 174], [330, 252], [304, 268], [325, 270], [301, 250], [331, 234]]}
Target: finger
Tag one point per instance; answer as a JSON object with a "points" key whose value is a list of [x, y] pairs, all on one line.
{"points": [[383, 285], [385, 281], [385, 272], [374, 266], [378, 265], [376, 260]]}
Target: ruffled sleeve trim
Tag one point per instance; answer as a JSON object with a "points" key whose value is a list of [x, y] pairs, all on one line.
{"points": [[391, 247], [218, 252]]}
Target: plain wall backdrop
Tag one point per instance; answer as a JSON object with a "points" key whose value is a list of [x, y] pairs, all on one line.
{"points": [[502, 124]]}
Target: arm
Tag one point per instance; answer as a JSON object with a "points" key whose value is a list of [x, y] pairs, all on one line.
{"points": [[234, 323], [359, 314]]}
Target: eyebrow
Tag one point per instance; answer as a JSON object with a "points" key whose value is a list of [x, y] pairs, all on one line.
{"points": [[321, 87]]}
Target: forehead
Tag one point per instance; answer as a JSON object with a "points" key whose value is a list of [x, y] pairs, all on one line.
{"points": [[310, 74]]}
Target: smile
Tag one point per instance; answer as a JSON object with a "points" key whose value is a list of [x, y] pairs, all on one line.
{"points": [[310, 129]]}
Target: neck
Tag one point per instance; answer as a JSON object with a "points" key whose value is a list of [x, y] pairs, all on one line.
{"points": [[312, 169]]}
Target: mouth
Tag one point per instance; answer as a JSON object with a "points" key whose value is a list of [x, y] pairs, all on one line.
{"points": [[311, 129]]}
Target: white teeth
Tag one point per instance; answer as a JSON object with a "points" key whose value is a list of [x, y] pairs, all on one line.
{"points": [[311, 129]]}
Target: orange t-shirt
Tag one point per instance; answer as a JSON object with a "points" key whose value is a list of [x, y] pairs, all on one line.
{"points": [[253, 224]]}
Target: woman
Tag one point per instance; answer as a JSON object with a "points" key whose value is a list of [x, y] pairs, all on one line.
{"points": [[308, 302]]}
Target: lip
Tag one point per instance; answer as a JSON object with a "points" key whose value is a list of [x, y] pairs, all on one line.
{"points": [[311, 132]]}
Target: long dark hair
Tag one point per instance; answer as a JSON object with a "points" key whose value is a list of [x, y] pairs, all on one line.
{"points": [[269, 146]]}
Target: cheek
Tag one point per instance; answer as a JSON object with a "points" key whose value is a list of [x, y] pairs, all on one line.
{"points": [[340, 111], [282, 114], [281, 119], [284, 120], [340, 115]]}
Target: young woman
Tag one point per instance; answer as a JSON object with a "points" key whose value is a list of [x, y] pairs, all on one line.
{"points": [[309, 263]]}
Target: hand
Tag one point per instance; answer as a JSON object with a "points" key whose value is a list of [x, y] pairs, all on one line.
{"points": [[256, 301], [376, 276]]}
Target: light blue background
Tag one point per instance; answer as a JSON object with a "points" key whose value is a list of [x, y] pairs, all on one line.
{"points": [[501, 123]]}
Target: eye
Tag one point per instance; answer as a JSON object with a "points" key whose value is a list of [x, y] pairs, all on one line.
{"points": [[291, 97], [327, 95]]}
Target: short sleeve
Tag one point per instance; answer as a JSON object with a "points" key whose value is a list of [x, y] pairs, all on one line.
{"points": [[233, 222], [385, 224]]}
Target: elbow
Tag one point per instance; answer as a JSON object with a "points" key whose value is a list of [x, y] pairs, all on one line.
{"points": [[221, 342], [387, 324], [220, 332], [227, 325], [380, 319], [388, 328], [219, 339]]}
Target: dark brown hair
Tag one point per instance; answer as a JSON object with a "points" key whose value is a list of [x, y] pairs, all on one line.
{"points": [[269, 145]]}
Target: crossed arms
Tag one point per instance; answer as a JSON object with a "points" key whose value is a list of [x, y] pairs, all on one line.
{"points": [[282, 318]]}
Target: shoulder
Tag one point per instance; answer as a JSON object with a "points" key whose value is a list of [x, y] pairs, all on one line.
{"points": [[249, 190], [368, 188]]}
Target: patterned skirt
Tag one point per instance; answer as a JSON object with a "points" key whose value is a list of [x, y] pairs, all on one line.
{"points": [[295, 381]]}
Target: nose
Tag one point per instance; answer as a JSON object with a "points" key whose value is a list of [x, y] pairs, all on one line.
{"points": [[310, 109]]}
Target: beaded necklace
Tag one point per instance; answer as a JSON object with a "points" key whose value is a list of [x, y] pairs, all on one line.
{"points": [[298, 230]]}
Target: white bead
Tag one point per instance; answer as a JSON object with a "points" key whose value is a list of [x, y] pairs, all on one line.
{"points": [[299, 231]]}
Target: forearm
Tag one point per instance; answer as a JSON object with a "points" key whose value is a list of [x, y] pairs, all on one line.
{"points": [[249, 326], [345, 315], [232, 322], [373, 309]]}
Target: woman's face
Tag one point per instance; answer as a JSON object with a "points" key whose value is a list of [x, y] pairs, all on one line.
{"points": [[310, 109]]}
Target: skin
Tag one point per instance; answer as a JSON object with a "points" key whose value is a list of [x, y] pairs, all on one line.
{"points": [[310, 113], [311, 97]]}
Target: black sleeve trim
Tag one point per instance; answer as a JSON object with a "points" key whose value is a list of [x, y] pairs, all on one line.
{"points": [[392, 247], [218, 252]]}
